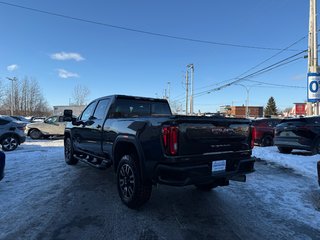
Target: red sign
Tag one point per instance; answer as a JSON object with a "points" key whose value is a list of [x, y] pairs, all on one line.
{"points": [[300, 109]]}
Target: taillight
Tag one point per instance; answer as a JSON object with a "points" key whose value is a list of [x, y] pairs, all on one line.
{"points": [[170, 139], [253, 135]]}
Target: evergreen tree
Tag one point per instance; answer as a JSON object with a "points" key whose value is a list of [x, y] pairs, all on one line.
{"points": [[271, 108]]}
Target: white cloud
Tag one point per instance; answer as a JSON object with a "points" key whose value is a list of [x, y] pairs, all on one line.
{"points": [[65, 74], [67, 56], [12, 67], [299, 77]]}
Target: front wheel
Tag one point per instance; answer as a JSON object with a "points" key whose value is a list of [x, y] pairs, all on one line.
{"points": [[68, 152], [285, 150], [132, 191], [9, 143]]}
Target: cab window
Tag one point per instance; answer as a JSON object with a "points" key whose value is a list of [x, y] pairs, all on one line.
{"points": [[87, 113]]}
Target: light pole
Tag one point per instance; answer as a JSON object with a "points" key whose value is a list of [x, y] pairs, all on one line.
{"points": [[11, 104], [247, 100]]}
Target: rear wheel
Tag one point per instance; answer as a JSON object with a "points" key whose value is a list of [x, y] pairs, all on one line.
{"points": [[35, 134], [267, 141], [68, 152], [9, 143], [132, 191], [285, 149]]}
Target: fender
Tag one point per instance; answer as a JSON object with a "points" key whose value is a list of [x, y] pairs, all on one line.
{"points": [[132, 140]]}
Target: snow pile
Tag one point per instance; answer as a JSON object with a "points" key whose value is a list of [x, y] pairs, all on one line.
{"points": [[300, 161]]}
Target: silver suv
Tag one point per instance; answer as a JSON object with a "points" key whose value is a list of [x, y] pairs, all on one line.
{"points": [[52, 126], [11, 133]]}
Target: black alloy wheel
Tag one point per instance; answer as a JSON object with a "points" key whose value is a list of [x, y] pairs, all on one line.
{"points": [[132, 191], [9, 143], [126, 181]]}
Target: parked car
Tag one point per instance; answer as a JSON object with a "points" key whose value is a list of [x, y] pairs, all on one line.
{"points": [[263, 131], [2, 164], [148, 145], [11, 133], [318, 168], [37, 119], [21, 118], [298, 133], [52, 126]]}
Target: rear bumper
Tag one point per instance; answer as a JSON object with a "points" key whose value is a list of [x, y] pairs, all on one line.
{"points": [[182, 175]]}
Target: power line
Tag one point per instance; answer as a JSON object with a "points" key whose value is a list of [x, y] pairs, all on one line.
{"points": [[254, 74], [273, 84], [259, 64], [141, 31]]}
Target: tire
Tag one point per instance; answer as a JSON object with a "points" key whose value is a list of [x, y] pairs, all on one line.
{"points": [[267, 141], [35, 134], [68, 152], [285, 150], [316, 147], [206, 187], [132, 191], [9, 143]]}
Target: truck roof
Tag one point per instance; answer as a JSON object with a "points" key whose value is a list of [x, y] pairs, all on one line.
{"points": [[118, 96]]}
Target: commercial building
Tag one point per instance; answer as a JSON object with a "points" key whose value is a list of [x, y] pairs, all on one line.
{"points": [[240, 111], [76, 109]]}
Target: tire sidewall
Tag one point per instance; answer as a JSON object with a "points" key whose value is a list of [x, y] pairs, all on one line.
{"points": [[267, 141], [128, 159], [38, 136], [68, 152]]}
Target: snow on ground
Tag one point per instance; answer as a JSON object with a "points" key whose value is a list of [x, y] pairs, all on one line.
{"points": [[300, 161]]}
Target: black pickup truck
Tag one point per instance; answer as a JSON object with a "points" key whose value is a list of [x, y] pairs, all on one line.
{"points": [[147, 145]]}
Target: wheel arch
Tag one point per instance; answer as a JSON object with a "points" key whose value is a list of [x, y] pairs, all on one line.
{"points": [[10, 134], [125, 145]]}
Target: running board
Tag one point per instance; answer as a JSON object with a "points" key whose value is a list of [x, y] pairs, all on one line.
{"points": [[103, 165]]}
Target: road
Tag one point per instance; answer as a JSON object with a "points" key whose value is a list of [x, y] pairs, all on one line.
{"points": [[80, 202]]}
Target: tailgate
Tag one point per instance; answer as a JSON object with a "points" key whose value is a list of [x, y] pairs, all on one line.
{"points": [[216, 136]]}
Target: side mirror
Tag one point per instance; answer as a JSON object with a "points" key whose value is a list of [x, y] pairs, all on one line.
{"points": [[67, 115]]}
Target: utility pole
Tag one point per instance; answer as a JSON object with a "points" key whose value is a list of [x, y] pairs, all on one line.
{"points": [[11, 101], [187, 91], [168, 92], [313, 69], [191, 66]]}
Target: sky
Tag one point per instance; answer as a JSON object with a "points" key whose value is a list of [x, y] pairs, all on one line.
{"points": [[61, 53]]}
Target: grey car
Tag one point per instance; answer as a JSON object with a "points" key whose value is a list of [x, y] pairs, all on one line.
{"points": [[11, 133], [52, 126]]}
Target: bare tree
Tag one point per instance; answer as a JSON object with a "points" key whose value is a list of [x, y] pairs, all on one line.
{"points": [[80, 94], [27, 99]]}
